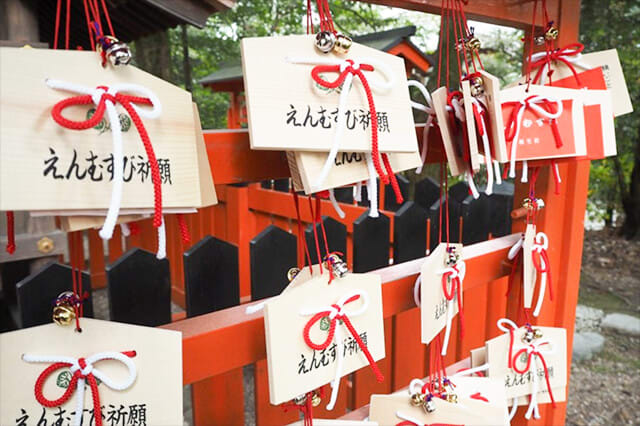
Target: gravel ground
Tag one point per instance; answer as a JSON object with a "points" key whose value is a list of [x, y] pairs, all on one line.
{"points": [[605, 390]]}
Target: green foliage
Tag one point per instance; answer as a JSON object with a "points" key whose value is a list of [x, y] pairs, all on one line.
{"points": [[606, 26]]}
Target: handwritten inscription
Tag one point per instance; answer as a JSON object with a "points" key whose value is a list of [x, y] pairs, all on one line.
{"points": [[90, 167], [112, 415], [324, 118], [329, 355], [512, 380]]}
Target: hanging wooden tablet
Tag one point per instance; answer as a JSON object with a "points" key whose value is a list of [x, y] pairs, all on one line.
{"points": [[456, 163], [436, 310], [348, 168], [284, 100], [60, 168], [526, 356], [136, 372], [325, 315]]}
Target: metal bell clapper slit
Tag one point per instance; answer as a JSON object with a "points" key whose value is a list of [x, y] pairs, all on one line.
{"points": [[300, 399], [339, 266], [63, 312], [417, 399], [551, 33], [528, 336], [476, 86], [325, 41], [343, 44], [429, 405], [119, 54], [452, 256]]}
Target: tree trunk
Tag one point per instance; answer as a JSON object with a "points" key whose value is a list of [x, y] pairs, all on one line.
{"points": [[631, 199], [153, 54], [186, 61]]}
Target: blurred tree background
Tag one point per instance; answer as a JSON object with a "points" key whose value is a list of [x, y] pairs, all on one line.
{"points": [[185, 55]]}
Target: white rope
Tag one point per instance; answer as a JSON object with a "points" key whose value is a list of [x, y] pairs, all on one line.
{"points": [[357, 191], [334, 203], [541, 243], [427, 107], [372, 187], [96, 94], [532, 349], [416, 290], [374, 83], [515, 248], [89, 369], [337, 337], [477, 107]]}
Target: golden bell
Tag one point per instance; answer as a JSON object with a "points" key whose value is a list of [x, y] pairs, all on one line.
{"points": [[315, 399], [452, 398], [473, 43], [552, 33], [429, 406], [300, 399], [291, 273], [63, 314], [417, 399], [343, 44], [476, 90], [537, 333]]}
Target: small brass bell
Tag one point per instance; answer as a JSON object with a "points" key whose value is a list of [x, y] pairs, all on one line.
{"points": [[473, 43], [118, 53], [552, 33], [343, 44], [417, 399], [452, 398], [63, 314], [339, 267], [539, 40], [429, 405], [528, 336], [477, 86], [292, 273], [537, 333], [452, 256], [315, 399], [325, 41], [300, 399]]}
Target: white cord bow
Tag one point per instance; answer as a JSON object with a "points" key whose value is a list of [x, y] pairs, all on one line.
{"points": [[116, 134], [488, 158], [87, 370], [536, 349], [532, 103], [334, 311]]}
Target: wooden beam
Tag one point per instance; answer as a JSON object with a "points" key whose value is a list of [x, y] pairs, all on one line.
{"points": [[512, 13]]}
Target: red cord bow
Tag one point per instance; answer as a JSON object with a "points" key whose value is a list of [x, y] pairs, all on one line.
{"points": [[512, 122], [533, 352], [340, 316], [126, 101], [456, 288], [71, 388], [389, 177], [560, 54]]}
